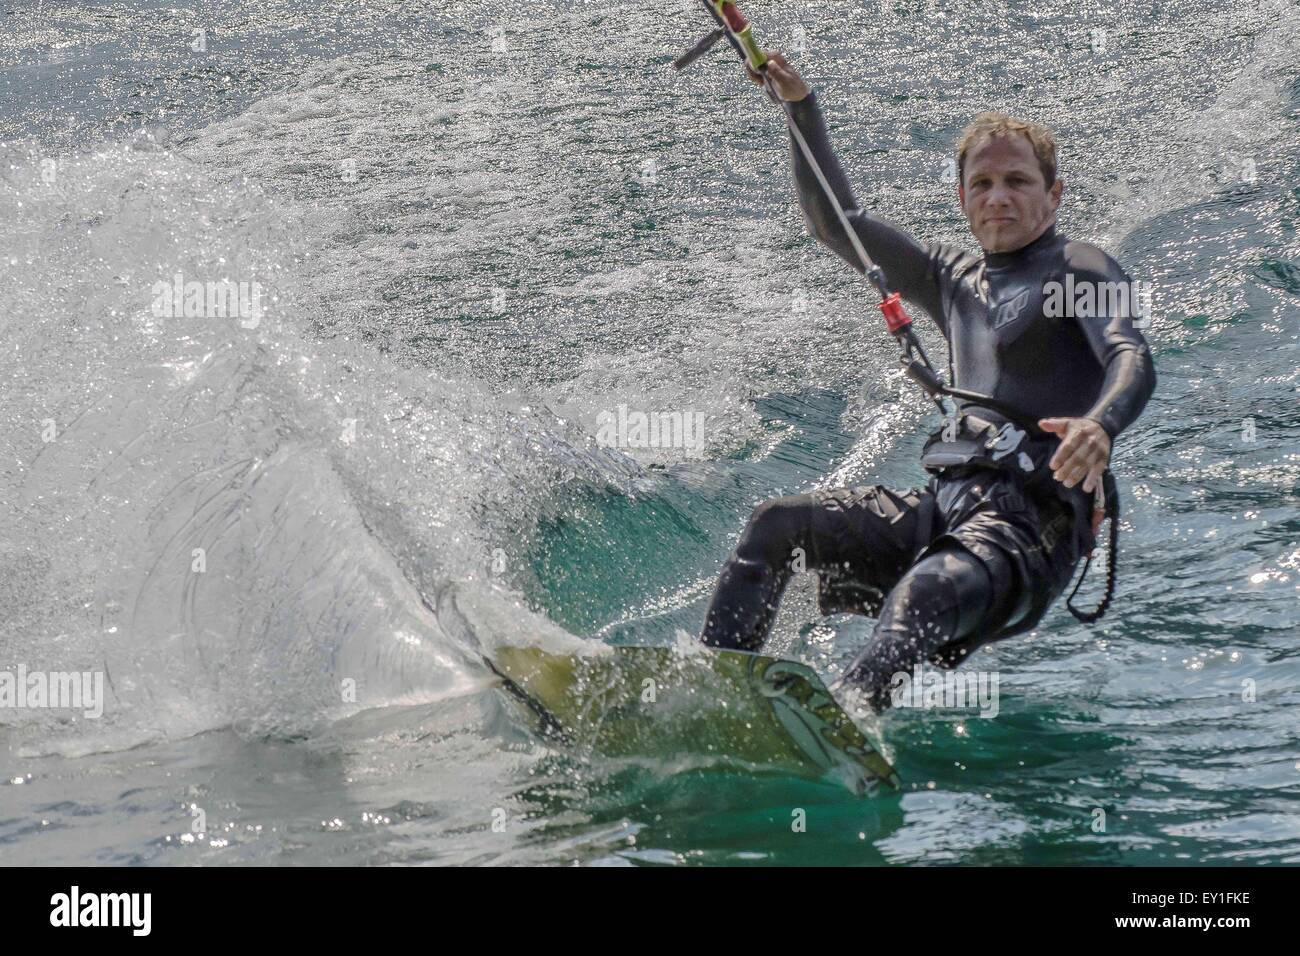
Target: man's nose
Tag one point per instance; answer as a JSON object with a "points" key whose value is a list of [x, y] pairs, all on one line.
{"points": [[999, 195]]}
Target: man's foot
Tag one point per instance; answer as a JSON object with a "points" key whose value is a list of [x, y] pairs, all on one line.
{"points": [[854, 700]]}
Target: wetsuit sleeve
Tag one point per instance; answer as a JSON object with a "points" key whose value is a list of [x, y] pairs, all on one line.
{"points": [[1130, 375], [916, 270]]}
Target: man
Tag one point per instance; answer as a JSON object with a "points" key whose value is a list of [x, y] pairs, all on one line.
{"points": [[995, 537]]}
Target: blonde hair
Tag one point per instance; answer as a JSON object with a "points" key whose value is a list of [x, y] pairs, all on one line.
{"points": [[987, 125]]}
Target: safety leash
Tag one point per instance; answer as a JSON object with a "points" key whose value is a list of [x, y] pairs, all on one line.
{"points": [[1112, 553]]}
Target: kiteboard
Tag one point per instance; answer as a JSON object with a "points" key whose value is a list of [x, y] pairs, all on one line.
{"points": [[731, 706]]}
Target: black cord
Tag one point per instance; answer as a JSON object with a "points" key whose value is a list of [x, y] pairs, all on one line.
{"points": [[1112, 550]]}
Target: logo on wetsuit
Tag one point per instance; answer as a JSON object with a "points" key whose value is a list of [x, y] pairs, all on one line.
{"points": [[1006, 441], [1010, 311]]}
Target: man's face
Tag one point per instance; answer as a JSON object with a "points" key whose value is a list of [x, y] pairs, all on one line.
{"points": [[1004, 195]]}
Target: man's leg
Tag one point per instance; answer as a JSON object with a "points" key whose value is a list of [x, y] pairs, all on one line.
{"points": [[940, 604], [870, 533]]}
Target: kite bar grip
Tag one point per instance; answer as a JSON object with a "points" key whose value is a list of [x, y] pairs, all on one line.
{"points": [[741, 32]]}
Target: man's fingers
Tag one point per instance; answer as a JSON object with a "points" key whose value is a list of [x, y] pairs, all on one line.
{"points": [[1093, 481], [1066, 450], [1075, 467], [1086, 462], [1080, 440], [1082, 454], [776, 65], [1094, 450], [1069, 477]]}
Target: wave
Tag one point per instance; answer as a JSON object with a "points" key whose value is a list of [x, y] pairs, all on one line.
{"points": [[237, 523]]}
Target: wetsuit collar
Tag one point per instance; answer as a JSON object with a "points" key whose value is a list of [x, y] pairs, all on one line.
{"points": [[996, 259]]}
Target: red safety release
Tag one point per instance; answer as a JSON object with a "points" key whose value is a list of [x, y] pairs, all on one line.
{"points": [[735, 19], [895, 317]]}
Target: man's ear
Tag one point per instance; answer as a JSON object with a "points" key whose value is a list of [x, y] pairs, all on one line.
{"points": [[1055, 191], [961, 196]]}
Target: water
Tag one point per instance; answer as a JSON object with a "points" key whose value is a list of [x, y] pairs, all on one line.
{"points": [[467, 255]]}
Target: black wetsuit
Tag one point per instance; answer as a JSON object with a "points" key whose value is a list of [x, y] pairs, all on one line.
{"points": [[981, 552]]}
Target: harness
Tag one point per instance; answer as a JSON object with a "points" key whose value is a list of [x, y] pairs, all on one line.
{"points": [[1019, 447]]}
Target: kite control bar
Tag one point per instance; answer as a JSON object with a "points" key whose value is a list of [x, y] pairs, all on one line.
{"points": [[733, 27]]}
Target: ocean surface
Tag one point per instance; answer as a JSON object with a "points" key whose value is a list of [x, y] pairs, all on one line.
{"points": [[476, 231]]}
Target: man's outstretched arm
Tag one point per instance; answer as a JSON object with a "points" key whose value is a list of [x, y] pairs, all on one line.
{"points": [[1120, 348], [1123, 353]]}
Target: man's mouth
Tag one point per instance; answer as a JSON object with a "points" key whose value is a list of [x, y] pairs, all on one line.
{"points": [[998, 219]]}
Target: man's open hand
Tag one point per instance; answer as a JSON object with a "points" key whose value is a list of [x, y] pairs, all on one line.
{"points": [[1084, 452]]}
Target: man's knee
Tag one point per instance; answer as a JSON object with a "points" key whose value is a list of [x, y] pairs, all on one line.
{"points": [[942, 600], [775, 529], [948, 590], [972, 588]]}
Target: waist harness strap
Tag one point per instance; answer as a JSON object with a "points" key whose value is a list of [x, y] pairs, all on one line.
{"points": [[988, 442]]}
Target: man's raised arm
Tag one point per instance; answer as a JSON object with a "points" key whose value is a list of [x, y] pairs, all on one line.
{"points": [[912, 268]]}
